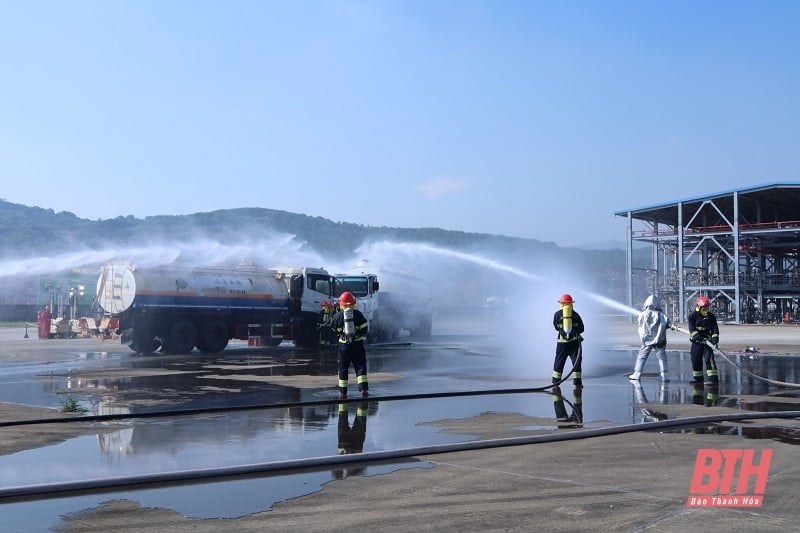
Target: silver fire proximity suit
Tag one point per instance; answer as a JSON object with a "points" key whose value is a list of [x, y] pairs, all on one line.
{"points": [[653, 325]]}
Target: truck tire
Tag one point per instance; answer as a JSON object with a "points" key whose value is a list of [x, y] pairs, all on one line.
{"points": [[306, 334], [143, 341], [182, 338], [423, 331], [372, 335], [213, 338], [272, 342], [386, 332]]}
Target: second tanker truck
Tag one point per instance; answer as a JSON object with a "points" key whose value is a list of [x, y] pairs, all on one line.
{"points": [[177, 308]]}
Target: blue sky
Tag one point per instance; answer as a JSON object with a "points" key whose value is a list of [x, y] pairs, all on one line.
{"points": [[531, 119]]}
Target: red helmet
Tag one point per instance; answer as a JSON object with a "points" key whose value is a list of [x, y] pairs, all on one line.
{"points": [[703, 302], [347, 298], [566, 299], [326, 304]]}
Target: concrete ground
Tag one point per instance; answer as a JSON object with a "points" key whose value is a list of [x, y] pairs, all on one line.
{"points": [[636, 481]]}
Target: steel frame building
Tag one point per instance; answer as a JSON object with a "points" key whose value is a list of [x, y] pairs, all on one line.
{"points": [[740, 248]]}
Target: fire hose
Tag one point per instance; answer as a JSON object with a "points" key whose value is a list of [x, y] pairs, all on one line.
{"points": [[739, 366], [187, 477]]}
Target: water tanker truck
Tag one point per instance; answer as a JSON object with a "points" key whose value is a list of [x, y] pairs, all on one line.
{"points": [[177, 308]]}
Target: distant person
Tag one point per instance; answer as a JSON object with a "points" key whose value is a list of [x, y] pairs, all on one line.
{"points": [[351, 327], [703, 329], [40, 323], [325, 333], [653, 325], [569, 325], [47, 319]]}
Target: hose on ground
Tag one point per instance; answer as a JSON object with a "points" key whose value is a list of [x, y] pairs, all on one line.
{"points": [[187, 477]]}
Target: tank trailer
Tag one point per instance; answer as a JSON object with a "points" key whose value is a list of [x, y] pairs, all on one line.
{"points": [[177, 308]]}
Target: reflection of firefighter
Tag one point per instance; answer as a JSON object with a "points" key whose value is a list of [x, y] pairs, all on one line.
{"points": [[351, 437], [708, 397], [326, 337], [572, 420], [697, 393], [712, 396], [569, 325], [351, 327]]}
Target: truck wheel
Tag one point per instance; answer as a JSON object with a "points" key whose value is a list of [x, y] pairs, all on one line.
{"points": [[272, 342], [143, 342], [213, 338], [423, 332], [372, 336], [182, 338], [306, 335]]}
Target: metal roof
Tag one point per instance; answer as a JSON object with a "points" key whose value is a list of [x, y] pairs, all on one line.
{"points": [[769, 202]]}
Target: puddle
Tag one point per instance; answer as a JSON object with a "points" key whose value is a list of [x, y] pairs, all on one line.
{"points": [[120, 382]]}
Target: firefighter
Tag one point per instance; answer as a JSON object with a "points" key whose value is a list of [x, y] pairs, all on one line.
{"points": [[325, 333], [703, 329], [569, 325], [653, 324], [351, 328]]}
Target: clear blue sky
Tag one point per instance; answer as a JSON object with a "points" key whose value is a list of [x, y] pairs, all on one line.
{"points": [[532, 119]]}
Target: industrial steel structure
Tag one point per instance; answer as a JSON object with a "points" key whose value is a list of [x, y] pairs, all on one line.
{"points": [[739, 248]]}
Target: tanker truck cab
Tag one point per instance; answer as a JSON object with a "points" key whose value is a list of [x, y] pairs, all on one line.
{"points": [[307, 288], [406, 306], [365, 288]]}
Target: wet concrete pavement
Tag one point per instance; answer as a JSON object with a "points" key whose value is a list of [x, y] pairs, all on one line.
{"points": [[504, 488]]}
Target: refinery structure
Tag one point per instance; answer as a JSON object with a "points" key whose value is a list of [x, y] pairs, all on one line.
{"points": [[739, 248]]}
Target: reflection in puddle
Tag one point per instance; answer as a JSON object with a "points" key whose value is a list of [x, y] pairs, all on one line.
{"points": [[782, 434]]}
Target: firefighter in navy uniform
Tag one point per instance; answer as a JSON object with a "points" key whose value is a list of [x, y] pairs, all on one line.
{"points": [[351, 327], [325, 334], [569, 325], [351, 437], [703, 328]]}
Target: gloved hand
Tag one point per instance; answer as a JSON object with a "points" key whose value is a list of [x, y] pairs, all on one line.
{"points": [[673, 327], [716, 346]]}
